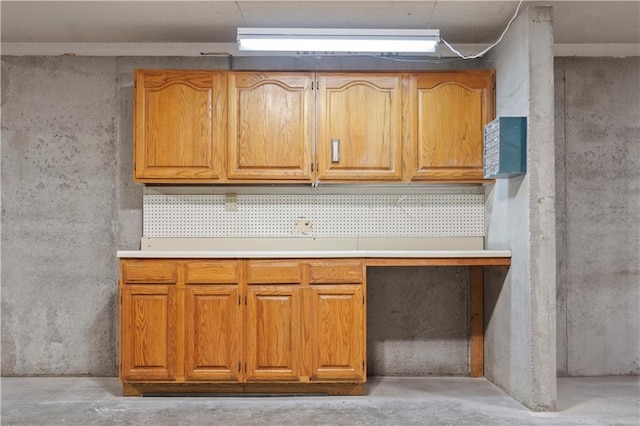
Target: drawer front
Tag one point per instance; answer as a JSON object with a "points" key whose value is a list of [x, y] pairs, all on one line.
{"points": [[336, 271], [212, 272], [149, 271], [273, 272]]}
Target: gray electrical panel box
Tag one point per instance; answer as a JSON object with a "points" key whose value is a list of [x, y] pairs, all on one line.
{"points": [[505, 147]]}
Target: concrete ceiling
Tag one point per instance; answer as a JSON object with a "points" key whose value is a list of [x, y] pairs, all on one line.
{"points": [[214, 23]]}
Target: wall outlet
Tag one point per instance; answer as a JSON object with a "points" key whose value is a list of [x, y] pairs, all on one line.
{"points": [[302, 226]]}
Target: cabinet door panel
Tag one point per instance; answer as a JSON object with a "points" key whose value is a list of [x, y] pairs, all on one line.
{"points": [[213, 333], [451, 110], [333, 271], [151, 271], [148, 332], [337, 332], [210, 272], [269, 126], [274, 272], [178, 118], [273, 333], [363, 112]]}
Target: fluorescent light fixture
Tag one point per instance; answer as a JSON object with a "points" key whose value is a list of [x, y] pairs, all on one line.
{"points": [[338, 40]]}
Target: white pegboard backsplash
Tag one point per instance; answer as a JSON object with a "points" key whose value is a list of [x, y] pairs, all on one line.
{"points": [[315, 215]]}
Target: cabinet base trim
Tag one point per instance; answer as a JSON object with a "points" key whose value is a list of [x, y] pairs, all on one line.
{"points": [[343, 389]]}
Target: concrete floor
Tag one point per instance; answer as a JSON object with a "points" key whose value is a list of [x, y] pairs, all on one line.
{"points": [[390, 401]]}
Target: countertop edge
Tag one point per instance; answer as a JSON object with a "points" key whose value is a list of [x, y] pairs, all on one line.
{"points": [[274, 254]]}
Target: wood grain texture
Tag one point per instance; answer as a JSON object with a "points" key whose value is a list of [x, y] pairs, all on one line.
{"points": [[179, 116], [476, 316], [149, 271], [273, 271], [272, 346], [363, 111], [270, 124], [449, 111], [213, 323], [198, 126], [337, 320], [331, 271], [212, 272], [148, 332]]}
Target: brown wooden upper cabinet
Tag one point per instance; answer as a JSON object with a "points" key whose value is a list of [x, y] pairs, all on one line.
{"points": [[359, 133], [178, 123], [270, 124], [296, 127], [448, 113]]}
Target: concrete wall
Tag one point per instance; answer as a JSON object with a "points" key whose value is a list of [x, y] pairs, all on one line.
{"points": [[520, 215], [418, 321], [69, 203], [58, 215], [598, 215]]}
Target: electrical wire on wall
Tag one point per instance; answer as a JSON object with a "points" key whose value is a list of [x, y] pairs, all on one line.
{"points": [[478, 55]]}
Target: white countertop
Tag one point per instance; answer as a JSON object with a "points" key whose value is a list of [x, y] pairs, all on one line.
{"points": [[272, 254]]}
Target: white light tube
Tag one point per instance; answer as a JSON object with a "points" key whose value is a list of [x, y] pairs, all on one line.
{"points": [[338, 40]]}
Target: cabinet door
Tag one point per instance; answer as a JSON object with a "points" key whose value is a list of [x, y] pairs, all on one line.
{"points": [[213, 321], [148, 325], [337, 320], [450, 110], [337, 332], [362, 115], [178, 117], [274, 337], [270, 124]]}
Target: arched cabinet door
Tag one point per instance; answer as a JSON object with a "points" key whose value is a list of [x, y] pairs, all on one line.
{"points": [[270, 127], [449, 112], [359, 127], [178, 120]]}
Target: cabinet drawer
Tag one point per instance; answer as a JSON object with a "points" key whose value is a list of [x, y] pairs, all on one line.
{"points": [[216, 272], [334, 271], [149, 271], [270, 272]]}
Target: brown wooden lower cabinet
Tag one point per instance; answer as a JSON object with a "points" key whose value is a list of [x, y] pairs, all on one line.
{"points": [[148, 325], [337, 332], [213, 330], [274, 340], [283, 326]]}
